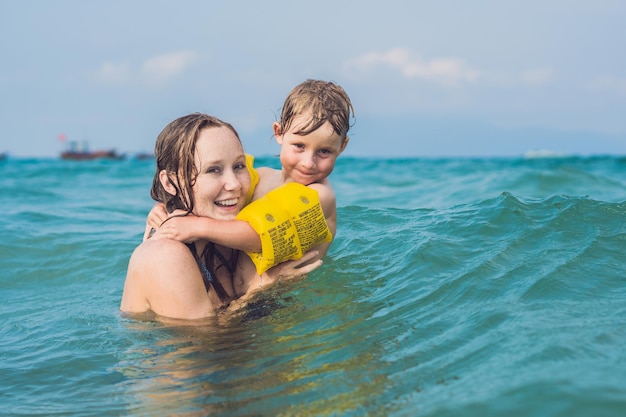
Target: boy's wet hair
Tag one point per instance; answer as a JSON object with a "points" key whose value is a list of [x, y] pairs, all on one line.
{"points": [[325, 100]]}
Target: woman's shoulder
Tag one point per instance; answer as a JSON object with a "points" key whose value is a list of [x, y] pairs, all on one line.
{"points": [[159, 251], [161, 259], [158, 245]]}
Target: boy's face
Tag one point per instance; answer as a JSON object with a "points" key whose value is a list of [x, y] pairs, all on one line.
{"points": [[309, 158]]}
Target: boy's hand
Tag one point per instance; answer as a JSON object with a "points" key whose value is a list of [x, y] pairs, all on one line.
{"points": [[290, 270], [286, 271], [157, 215], [178, 228]]}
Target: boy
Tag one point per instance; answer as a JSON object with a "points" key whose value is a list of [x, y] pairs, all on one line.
{"points": [[312, 133]]}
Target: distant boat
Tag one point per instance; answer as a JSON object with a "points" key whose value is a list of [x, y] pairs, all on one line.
{"points": [[144, 155], [80, 152], [85, 155], [3, 156]]}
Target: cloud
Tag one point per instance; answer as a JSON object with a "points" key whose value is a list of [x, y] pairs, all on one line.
{"points": [[154, 71], [160, 68], [446, 71], [539, 76], [611, 84], [113, 73]]}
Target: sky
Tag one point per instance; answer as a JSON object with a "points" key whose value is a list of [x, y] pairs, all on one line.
{"points": [[427, 78]]}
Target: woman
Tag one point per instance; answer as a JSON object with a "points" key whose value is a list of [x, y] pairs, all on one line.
{"points": [[201, 169]]}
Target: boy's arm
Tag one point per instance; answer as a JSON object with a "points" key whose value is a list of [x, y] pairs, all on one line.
{"points": [[328, 202], [236, 234]]}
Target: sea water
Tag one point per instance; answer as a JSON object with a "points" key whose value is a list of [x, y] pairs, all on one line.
{"points": [[454, 287]]}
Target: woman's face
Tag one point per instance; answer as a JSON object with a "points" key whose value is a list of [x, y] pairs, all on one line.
{"points": [[223, 179]]}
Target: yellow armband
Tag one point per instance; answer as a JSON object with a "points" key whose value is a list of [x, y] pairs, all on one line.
{"points": [[289, 220], [254, 177]]}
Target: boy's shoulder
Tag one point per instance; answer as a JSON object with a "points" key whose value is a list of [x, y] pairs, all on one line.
{"points": [[324, 189], [266, 170], [269, 178]]}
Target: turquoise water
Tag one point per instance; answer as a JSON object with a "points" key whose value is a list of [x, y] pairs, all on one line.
{"points": [[455, 287]]}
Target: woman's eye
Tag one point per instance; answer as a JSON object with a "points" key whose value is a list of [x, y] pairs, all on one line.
{"points": [[213, 170], [239, 167]]}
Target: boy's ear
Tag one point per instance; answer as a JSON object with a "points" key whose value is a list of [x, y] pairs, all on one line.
{"points": [[278, 132], [344, 144], [166, 182]]}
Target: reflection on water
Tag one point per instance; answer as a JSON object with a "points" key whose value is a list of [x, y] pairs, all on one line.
{"points": [[254, 362]]}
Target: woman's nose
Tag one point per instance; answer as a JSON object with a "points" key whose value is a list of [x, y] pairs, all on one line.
{"points": [[231, 181]]}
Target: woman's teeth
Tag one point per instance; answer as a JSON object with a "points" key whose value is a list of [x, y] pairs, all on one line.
{"points": [[225, 203]]}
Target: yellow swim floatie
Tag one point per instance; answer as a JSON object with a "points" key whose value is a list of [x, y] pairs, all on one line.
{"points": [[254, 177], [289, 220]]}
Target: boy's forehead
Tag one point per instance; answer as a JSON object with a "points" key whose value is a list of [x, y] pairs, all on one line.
{"points": [[301, 120], [324, 136], [304, 122]]}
